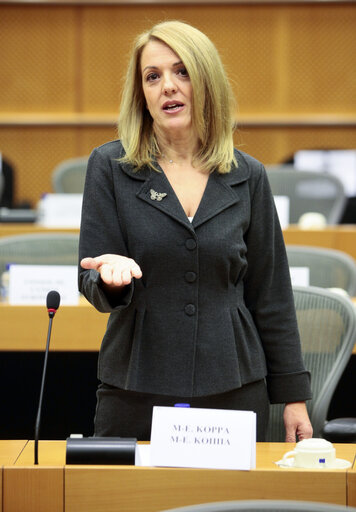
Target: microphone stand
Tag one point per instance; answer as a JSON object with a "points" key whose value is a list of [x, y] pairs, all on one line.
{"points": [[38, 418]]}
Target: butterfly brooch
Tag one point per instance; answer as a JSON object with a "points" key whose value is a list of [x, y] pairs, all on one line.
{"points": [[157, 196]]}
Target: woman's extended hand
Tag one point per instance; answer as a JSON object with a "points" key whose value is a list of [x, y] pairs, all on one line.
{"points": [[114, 270], [296, 422]]}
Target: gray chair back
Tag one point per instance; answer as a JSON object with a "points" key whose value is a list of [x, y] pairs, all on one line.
{"points": [[328, 268], [308, 192], [69, 176], [327, 326], [262, 506], [39, 248]]}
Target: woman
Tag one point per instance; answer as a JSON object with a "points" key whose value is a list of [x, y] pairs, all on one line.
{"points": [[181, 243]]}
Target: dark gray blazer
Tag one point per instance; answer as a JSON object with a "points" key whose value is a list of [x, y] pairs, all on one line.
{"points": [[214, 309]]}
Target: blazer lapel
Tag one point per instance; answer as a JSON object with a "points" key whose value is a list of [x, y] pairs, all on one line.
{"points": [[158, 193], [220, 193]]}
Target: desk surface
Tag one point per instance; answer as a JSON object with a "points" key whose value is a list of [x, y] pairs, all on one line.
{"points": [[145, 489], [341, 237], [75, 328], [52, 453], [10, 451]]}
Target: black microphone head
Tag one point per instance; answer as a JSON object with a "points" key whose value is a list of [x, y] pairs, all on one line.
{"points": [[53, 300]]}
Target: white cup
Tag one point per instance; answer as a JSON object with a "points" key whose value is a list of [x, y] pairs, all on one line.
{"points": [[312, 453]]}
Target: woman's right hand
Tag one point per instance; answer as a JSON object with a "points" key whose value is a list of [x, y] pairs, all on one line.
{"points": [[114, 270]]}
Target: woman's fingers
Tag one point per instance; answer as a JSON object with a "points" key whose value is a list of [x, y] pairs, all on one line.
{"points": [[114, 269], [89, 263]]}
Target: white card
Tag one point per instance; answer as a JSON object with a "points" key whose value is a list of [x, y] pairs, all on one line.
{"points": [[203, 438], [29, 284], [300, 276], [60, 210], [282, 206]]}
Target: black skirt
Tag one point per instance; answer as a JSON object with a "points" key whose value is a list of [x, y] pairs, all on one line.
{"points": [[122, 413]]}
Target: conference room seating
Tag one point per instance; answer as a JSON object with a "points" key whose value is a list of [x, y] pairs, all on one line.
{"points": [[263, 506], [39, 248], [69, 176], [327, 326], [328, 268], [308, 191]]}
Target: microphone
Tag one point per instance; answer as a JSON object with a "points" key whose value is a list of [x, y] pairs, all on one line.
{"points": [[52, 302]]}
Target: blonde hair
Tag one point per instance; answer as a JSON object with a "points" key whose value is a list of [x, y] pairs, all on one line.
{"points": [[212, 100]]}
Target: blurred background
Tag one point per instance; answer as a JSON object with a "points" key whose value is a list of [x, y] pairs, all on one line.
{"points": [[292, 66]]}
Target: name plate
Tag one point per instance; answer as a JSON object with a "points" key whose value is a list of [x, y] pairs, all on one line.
{"points": [[29, 284], [203, 438]]}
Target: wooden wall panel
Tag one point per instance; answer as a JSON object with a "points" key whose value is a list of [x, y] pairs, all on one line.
{"points": [[322, 72], [277, 144], [38, 59]]}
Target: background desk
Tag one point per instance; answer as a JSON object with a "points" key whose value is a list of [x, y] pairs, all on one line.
{"points": [[75, 328], [341, 237], [56, 487]]}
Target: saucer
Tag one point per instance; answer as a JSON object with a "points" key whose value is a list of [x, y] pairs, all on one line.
{"points": [[338, 464]]}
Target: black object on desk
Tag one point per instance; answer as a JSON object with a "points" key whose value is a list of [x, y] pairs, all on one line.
{"points": [[17, 215], [101, 450]]}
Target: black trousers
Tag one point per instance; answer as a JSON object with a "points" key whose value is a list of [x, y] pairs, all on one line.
{"points": [[121, 413]]}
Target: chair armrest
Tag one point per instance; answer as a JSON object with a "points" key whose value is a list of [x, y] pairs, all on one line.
{"points": [[340, 430]]}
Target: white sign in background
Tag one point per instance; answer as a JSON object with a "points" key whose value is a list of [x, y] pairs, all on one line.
{"points": [[30, 284], [283, 208], [300, 276], [203, 438], [60, 210]]}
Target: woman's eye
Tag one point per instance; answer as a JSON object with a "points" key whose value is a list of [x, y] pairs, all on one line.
{"points": [[183, 72], [151, 77]]}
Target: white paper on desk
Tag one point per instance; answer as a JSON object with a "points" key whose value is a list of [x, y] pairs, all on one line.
{"points": [[143, 455], [300, 276], [282, 206], [29, 284], [60, 210], [203, 438]]}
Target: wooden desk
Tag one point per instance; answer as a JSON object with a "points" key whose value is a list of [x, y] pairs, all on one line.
{"points": [[75, 328], [341, 237], [351, 487], [9, 452], [142, 489], [14, 228]]}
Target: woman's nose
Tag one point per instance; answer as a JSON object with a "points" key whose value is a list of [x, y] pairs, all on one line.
{"points": [[169, 86]]}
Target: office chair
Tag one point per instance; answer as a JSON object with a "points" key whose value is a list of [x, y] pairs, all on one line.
{"points": [[308, 192], [69, 176], [263, 506], [327, 326], [328, 268], [39, 248]]}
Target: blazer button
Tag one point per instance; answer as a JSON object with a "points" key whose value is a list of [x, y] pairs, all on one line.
{"points": [[190, 244], [190, 277], [189, 309]]}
